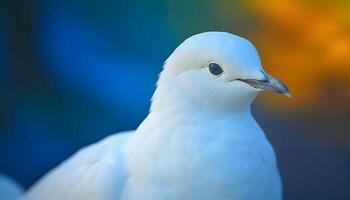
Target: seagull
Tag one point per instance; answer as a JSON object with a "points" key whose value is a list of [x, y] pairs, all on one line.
{"points": [[199, 140]]}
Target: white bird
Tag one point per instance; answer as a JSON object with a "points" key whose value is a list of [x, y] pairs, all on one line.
{"points": [[199, 140]]}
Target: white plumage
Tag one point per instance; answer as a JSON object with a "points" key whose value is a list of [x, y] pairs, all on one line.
{"points": [[94, 172], [199, 140]]}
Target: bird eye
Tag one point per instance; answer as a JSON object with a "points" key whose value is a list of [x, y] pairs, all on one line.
{"points": [[215, 69]]}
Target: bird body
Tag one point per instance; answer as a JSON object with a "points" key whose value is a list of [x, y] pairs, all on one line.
{"points": [[199, 140], [94, 172], [207, 157], [183, 150]]}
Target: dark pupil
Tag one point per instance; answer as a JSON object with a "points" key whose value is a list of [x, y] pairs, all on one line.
{"points": [[215, 69]]}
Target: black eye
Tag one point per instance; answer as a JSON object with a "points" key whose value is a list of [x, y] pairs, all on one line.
{"points": [[215, 69]]}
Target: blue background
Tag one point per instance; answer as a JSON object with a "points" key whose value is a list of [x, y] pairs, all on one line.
{"points": [[73, 72]]}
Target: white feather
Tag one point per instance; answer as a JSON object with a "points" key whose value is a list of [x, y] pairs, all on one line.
{"points": [[95, 172], [199, 140]]}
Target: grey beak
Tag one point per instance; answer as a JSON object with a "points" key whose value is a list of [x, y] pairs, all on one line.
{"points": [[269, 83]]}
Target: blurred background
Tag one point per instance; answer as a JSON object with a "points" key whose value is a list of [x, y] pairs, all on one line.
{"points": [[75, 71]]}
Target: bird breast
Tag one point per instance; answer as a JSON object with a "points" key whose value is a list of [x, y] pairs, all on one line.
{"points": [[200, 157]]}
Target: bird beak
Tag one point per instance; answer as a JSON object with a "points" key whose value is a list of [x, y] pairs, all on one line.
{"points": [[269, 83]]}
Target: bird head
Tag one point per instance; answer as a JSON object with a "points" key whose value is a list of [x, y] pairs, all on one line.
{"points": [[217, 70]]}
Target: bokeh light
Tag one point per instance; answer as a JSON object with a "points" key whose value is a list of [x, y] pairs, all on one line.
{"points": [[73, 72]]}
